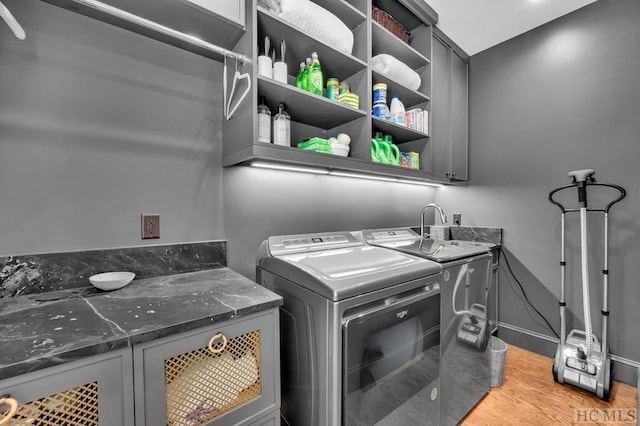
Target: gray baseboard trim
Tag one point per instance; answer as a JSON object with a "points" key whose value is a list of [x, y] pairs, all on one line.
{"points": [[527, 332], [623, 372]]}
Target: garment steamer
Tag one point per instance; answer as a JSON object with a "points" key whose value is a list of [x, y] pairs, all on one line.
{"points": [[581, 359]]}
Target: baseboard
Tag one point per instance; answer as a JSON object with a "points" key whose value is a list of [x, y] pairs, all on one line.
{"points": [[624, 370]]}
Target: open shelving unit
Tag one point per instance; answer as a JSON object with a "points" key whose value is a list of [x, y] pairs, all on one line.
{"points": [[314, 115]]}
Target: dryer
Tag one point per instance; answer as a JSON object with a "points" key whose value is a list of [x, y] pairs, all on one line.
{"points": [[360, 330], [465, 368]]}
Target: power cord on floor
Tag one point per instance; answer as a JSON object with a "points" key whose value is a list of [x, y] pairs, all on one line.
{"points": [[524, 293]]}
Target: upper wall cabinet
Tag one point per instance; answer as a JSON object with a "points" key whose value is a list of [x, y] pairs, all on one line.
{"points": [[316, 115], [350, 38], [450, 110], [221, 23]]}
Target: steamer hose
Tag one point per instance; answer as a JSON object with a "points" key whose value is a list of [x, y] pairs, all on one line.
{"points": [[585, 281]]}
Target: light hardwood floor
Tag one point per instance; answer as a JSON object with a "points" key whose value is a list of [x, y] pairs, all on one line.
{"points": [[529, 396]]}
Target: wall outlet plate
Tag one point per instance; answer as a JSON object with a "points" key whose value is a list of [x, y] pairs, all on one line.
{"points": [[457, 218], [150, 226]]}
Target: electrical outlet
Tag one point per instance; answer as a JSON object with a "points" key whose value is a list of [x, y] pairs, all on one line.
{"points": [[457, 218], [150, 226]]}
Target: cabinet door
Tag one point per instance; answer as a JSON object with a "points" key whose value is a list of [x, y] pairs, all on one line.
{"points": [[441, 109], [195, 378], [459, 117], [273, 419], [94, 391]]}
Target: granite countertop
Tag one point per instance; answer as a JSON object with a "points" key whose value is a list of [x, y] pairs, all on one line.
{"points": [[46, 329]]}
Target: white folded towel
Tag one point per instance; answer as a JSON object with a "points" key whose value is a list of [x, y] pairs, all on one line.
{"points": [[396, 70], [318, 22]]}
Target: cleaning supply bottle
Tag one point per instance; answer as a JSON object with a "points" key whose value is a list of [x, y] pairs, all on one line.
{"points": [[316, 78], [264, 122], [304, 79], [299, 75], [381, 110], [282, 127], [397, 111]]}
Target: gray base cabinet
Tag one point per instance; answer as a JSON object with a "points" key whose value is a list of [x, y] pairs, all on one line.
{"points": [[92, 391], [273, 419], [227, 373], [178, 381]]}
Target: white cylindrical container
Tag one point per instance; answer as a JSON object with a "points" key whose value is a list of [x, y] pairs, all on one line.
{"points": [[397, 111], [280, 72], [265, 66]]}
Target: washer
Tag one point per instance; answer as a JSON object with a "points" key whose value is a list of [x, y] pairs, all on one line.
{"points": [[359, 330], [465, 368]]}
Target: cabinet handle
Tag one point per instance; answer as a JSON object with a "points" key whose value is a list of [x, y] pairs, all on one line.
{"points": [[453, 174], [13, 407], [214, 341]]}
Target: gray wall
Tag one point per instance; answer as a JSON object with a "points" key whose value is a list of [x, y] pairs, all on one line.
{"points": [[259, 203], [562, 97], [99, 125]]}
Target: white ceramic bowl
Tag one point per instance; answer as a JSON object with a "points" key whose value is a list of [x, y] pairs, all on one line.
{"points": [[111, 280], [339, 149]]}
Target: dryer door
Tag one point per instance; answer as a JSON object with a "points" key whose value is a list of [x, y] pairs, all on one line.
{"points": [[391, 360]]}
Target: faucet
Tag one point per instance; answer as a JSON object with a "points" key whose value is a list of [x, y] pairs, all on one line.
{"points": [[443, 217]]}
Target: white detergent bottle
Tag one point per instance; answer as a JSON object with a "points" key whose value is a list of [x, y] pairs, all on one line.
{"points": [[397, 111]]}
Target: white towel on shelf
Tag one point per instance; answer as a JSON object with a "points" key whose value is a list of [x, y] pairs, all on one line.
{"points": [[396, 70], [319, 23]]}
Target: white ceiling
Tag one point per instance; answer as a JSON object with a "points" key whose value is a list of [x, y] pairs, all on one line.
{"points": [[476, 25]]}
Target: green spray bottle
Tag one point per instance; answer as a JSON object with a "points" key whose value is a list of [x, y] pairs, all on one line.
{"points": [[316, 78]]}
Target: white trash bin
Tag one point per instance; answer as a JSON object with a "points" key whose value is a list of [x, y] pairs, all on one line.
{"points": [[498, 354]]}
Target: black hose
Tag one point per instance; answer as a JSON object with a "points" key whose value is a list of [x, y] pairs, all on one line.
{"points": [[526, 298]]}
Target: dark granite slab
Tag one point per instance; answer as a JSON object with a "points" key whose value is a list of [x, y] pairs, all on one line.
{"points": [[45, 329], [476, 233], [480, 234], [38, 273]]}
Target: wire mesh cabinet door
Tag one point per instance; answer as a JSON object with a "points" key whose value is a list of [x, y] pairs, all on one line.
{"points": [[227, 373], [93, 391]]}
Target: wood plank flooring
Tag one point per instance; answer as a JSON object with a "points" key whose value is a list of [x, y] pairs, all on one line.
{"points": [[529, 396]]}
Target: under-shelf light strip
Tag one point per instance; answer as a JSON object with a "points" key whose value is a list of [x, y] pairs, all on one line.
{"points": [[317, 171], [321, 171]]}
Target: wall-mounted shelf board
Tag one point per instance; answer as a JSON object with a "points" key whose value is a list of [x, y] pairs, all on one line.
{"points": [[190, 28], [384, 41], [313, 109], [400, 134], [347, 13], [275, 154]]}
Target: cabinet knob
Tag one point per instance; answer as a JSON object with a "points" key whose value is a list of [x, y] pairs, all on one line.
{"points": [[447, 174], [453, 174], [13, 408], [218, 343]]}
